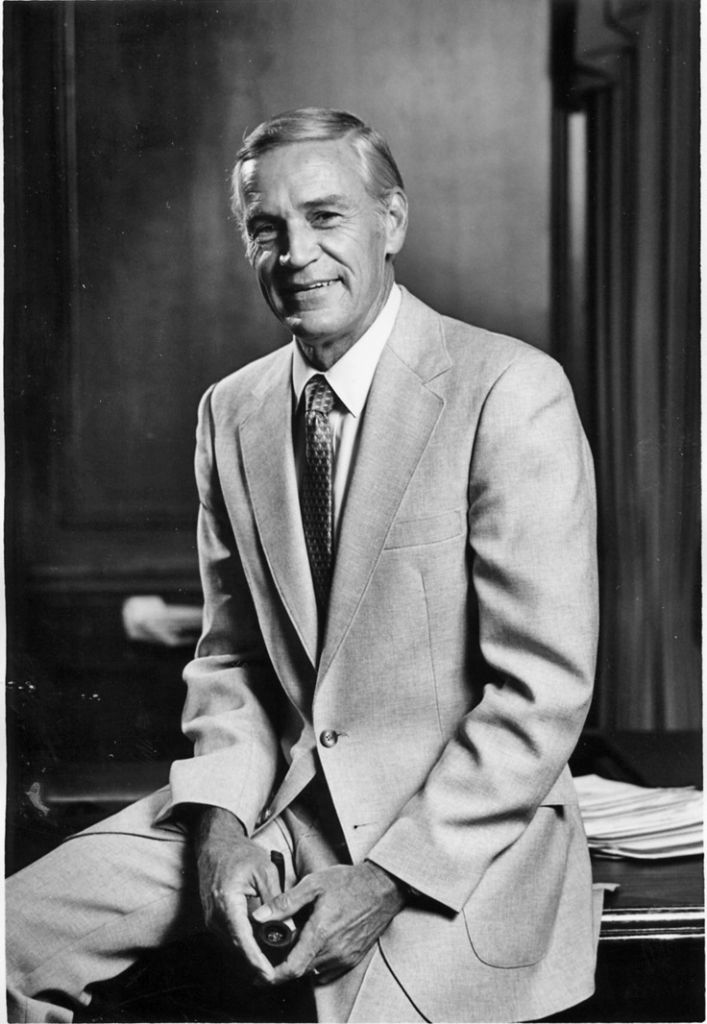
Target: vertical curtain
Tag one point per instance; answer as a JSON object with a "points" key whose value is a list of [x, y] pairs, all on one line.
{"points": [[634, 76]]}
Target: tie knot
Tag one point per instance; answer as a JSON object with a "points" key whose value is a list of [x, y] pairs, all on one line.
{"points": [[318, 395]]}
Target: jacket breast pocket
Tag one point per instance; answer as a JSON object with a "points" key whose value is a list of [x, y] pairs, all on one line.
{"points": [[406, 533], [511, 914]]}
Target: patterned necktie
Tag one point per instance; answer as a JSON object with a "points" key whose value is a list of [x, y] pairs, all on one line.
{"points": [[317, 496]]}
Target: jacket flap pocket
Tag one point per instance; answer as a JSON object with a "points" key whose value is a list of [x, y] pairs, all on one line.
{"points": [[430, 530], [510, 916]]}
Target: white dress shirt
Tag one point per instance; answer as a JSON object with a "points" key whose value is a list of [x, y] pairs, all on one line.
{"points": [[350, 379]]}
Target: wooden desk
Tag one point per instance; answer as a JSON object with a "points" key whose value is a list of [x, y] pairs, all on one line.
{"points": [[663, 901], [651, 963]]}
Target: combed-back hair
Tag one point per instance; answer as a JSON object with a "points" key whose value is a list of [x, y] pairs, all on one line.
{"points": [[319, 124]]}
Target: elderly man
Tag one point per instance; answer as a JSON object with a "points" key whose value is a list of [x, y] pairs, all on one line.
{"points": [[396, 537]]}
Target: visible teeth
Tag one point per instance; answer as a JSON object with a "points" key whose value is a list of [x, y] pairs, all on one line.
{"points": [[319, 284]]}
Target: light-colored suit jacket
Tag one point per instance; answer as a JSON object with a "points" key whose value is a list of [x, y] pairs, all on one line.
{"points": [[457, 662]]}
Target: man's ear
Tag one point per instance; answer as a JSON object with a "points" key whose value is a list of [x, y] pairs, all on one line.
{"points": [[396, 221]]}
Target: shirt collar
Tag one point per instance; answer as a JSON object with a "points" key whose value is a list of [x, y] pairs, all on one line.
{"points": [[350, 377]]}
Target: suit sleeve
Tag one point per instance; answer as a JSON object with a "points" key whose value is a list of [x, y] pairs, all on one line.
{"points": [[533, 551], [231, 686]]}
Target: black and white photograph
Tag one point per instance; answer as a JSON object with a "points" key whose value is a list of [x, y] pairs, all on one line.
{"points": [[352, 511]]}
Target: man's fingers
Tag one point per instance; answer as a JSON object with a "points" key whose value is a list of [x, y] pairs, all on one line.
{"points": [[268, 884], [286, 904], [241, 933]]}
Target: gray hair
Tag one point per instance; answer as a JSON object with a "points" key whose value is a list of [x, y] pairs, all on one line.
{"points": [[319, 124]]}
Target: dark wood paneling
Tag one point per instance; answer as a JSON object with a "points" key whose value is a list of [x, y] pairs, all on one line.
{"points": [[150, 330]]}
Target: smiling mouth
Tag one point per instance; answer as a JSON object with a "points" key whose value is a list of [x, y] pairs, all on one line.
{"points": [[298, 289]]}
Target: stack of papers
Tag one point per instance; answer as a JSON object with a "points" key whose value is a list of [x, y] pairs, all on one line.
{"points": [[623, 820]]}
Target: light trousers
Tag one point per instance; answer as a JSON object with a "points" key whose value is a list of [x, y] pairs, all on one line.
{"points": [[90, 909]]}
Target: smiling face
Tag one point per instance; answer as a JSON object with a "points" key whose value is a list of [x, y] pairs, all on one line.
{"points": [[321, 246]]}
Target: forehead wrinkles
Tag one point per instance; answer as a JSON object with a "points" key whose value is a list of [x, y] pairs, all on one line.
{"points": [[303, 172]]}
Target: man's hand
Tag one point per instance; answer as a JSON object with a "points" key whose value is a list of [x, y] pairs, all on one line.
{"points": [[231, 869], [350, 908]]}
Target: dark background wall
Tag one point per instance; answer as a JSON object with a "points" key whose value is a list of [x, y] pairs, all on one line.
{"points": [[127, 294]]}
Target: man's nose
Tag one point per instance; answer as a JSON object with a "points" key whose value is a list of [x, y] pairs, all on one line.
{"points": [[301, 247]]}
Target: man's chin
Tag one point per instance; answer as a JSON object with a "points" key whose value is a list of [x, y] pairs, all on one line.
{"points": [[309, 325]]}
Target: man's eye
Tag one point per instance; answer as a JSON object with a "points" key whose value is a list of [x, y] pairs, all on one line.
{"points": [[263, 234], [325, 218]]}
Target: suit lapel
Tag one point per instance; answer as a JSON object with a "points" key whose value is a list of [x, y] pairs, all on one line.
{"points": [[400, 416], [268, 457]]}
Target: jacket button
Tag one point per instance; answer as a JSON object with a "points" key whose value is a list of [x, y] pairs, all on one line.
{"points": [[328, 738]]}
